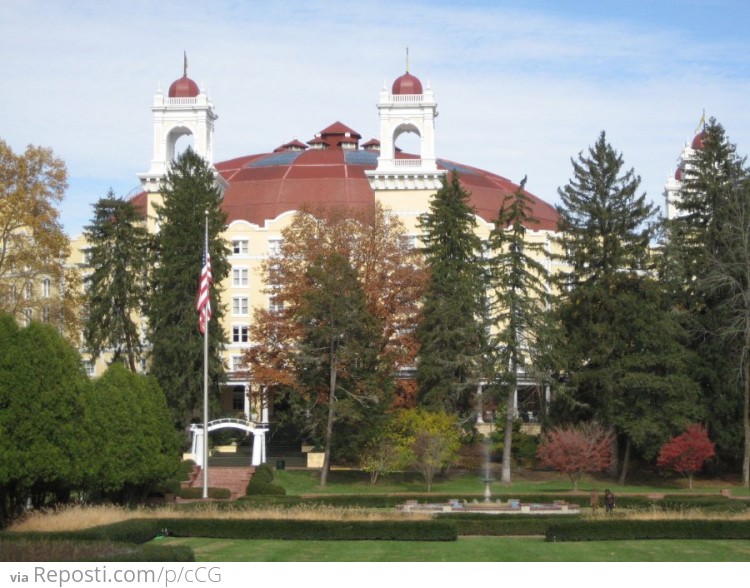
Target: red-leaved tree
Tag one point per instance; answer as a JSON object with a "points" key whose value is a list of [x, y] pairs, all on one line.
{"points": [[686, 453], [576, 449]]}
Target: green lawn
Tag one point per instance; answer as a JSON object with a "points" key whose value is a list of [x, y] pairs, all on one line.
{"points": [[356, 482], [466, 549]]}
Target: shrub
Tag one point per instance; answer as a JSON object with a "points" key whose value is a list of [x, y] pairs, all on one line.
{"points": [[195, 493], [261, 483], [263, 474], [265, 490], [686, 453]]}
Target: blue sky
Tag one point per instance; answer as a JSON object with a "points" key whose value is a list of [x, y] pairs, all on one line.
{"points": [[522, 86]]}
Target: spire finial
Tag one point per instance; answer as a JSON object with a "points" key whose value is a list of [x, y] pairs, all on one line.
{"points": [[184, 64], [407, 60], [701, 123]]}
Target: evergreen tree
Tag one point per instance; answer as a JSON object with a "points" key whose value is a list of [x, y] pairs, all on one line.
{"points": [[119, 255], [190, 197], [132, 446], [705, 254], [609, 306], [729, 277], [337, 360], [519, 301], [42, 384], [605, 226], [451, 333]]}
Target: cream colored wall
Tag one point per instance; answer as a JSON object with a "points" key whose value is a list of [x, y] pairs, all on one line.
{"points": [[259, 240], [406, 204]]}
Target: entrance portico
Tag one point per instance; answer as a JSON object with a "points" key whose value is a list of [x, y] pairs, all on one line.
{"points": [[257, 429]]}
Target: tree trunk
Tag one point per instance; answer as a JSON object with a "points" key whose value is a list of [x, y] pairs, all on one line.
{"points": [[329, 422], [614, 467], [508, 437], [746, 417], [625, 462]]}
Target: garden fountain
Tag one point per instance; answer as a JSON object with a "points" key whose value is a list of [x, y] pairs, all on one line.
{"points": [[512, 506]]}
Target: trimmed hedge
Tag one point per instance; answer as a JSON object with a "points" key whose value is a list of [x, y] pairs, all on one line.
{"points": [[313, 530], [195, 493], [623, 530], [264, 490], [499, 525], [143, 530]]}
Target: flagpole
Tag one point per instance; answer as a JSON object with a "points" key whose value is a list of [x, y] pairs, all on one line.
{"points": [[205, 390]]}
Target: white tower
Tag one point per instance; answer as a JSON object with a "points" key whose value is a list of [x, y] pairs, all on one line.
{"points": [[185, 110], [407, 108], [674, 183]]}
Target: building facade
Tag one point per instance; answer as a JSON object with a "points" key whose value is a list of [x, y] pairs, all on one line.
{"points": [[262, 192]]}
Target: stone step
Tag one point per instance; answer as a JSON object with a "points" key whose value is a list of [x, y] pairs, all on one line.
{"points": [[234, 479]]}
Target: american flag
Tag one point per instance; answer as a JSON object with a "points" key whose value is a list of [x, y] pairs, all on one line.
{"points": [[204, 296]]}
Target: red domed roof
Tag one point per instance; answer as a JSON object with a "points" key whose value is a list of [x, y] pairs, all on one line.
{"points": [[263, 186], [407, 84], [698, 141], [183, 88], [678, 174]]}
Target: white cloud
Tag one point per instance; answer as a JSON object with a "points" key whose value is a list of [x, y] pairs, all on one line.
{"points": [[520, 91]]}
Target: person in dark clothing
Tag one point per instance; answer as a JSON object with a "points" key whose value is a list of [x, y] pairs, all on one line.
{"points": [[609, 501]]}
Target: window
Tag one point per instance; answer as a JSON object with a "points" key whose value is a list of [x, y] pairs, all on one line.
{"points": [[27, 315], [238, 398], [239, 247], [239, 276], [239, 305], [237, 363], [88, 366], [45, 288], [274, 247], [275, 305], [28, 291], [409, 241], [240, 334], [45, 314]]}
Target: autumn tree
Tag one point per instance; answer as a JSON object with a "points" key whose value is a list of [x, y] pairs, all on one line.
{"points": [[686, 453], [119, 256], [190, 196], [428, 440], [35, 282], [518, 301], [382, 455], [451, 332], [374, 245], [576, 450]]}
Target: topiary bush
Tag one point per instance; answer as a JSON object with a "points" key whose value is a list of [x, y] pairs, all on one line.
{"points": [[263, 474], [261, 483]]}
